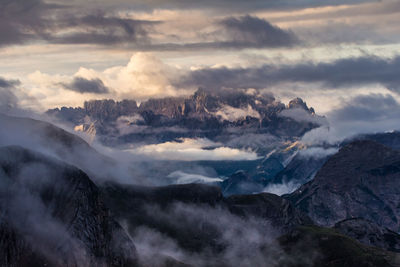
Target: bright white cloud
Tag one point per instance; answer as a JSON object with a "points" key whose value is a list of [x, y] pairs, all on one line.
{"points": [[143, 77], [363, 114], [317, 152], [281, 189], [232, 114], [301, 115], [192, 150], [181, 177]]}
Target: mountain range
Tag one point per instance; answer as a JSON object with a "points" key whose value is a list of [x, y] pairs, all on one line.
{"points": [[65, 203], [203, 114], [246, 121]]}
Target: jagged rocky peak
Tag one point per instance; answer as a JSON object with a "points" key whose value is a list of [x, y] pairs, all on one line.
{"points": [[233, 98], [109, 109], [170, 106], [212, 112], [300, 104], [203, 103]]}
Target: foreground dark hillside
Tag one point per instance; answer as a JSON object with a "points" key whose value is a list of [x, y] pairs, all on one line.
{"points": [[361, 180], [52, 215]]}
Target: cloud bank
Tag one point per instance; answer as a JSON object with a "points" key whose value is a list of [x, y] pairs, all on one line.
{"points": [[192, 150], [362, 114], [341, 73]]}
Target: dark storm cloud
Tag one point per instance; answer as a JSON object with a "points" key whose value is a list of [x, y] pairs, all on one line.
{"points": [[225, 5], [21, 20], [8, 99], [82, 85], [98, 28], [237, 33], [372, 107], [25, 21], [8, 83], [82, 22], [249, 31], [340, 73]]}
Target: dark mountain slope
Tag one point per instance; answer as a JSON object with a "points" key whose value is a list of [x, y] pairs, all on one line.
{"points": [[369, 233], [52, 213], [47, 138], [161, 208], [198, 218], [361, 180], [275, 209], [322, 247]]}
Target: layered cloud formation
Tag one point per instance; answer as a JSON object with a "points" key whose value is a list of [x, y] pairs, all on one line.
{"points": [[329, 53]]}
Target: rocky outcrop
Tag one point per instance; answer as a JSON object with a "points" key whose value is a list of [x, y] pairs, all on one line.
{"points": [[52, 214], [104, 110], [361, 180], [299, 103]]}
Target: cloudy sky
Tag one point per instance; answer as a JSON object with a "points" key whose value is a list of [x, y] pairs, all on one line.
{"points": [[331, 53]]}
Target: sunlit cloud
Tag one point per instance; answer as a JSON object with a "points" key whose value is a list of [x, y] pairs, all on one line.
{"points": [[192, 150]]}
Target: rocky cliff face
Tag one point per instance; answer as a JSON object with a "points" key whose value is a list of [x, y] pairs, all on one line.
{"points": [[52, 214], [204, 114], [361, 180]]}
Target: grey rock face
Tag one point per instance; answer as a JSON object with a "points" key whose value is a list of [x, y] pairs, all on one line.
{"points": [[361, 180]]}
